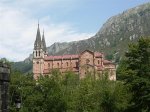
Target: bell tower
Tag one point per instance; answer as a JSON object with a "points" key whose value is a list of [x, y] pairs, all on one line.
{"points": [[38, 55]]}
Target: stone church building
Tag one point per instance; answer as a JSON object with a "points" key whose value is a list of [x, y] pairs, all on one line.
{"points": [[82, 64]]}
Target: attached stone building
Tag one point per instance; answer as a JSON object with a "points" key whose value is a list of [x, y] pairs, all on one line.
{"points": [[82, 64]]}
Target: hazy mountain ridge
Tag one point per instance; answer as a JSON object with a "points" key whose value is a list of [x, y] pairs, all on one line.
{"points": [[113, 37]]}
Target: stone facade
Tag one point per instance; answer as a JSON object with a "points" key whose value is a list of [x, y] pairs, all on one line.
{"points": [[82, 64], [4, 82]]}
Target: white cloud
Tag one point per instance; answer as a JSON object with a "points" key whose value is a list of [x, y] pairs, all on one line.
{"points": [[18, 32], [35, 4]]}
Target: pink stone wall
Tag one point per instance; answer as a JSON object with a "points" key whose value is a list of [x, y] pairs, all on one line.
{"points": [[82, 65], [98, 61], [75, 63], [85, 58], [63, 65], [66, 64]]}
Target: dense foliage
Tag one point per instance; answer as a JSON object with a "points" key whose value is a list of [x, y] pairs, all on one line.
{"points": [[59, 93], [134, 70], [22, 66], [68, 93]]}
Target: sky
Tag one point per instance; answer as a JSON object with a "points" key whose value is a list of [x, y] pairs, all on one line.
{"points": [[61, 20]]}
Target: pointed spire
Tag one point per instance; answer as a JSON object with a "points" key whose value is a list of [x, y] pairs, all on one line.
{"points": [[43, 32], [43, 41], [38, 23], [37, 44]]}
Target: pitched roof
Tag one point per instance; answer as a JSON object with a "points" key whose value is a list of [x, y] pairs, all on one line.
{"points": [[61, 57], [74, 56], [107, 62], [87, 51], [98, 54]]}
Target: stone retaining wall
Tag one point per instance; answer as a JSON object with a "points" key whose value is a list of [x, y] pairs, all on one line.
{"points": [[4, 82]]}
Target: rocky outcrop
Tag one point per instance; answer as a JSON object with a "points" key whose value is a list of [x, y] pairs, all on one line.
{"points": [[115, 34]]}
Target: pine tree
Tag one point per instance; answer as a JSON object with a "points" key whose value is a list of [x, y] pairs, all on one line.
{"points": [[135, 72]]}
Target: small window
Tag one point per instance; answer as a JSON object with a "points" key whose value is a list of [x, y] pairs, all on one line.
{"points": [[58, 64], [49, 65], [36, 53], [37, 62], [98, 61], [39, 53], [67, 63], [77, 64]]}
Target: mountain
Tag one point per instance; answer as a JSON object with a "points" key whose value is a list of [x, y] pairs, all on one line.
{"points": [[113, 37], [22, 66]]}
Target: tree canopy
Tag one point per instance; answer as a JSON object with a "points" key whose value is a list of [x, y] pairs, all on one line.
{"points": [[66, 93], [134, 70]]}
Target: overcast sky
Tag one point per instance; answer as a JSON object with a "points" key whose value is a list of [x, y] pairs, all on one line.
{"points": [[62, 21]]}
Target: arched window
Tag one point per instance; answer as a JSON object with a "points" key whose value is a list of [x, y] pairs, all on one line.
{"points": [[98, 61], [39, 53], [58, 65], [77, 64], [48, 65], [36, 53]]}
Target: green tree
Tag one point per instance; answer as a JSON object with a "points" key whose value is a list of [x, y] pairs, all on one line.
{"points": [[43, 95], [20, 85], [135, 72], [66, 93], [112, 96], [85, 100], [101, 95], [70, 85]]}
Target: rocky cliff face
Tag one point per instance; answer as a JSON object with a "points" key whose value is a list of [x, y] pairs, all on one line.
{"points": [[114, 36]]}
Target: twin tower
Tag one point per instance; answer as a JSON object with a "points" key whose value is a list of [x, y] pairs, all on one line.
{"points": [[83, 63], [39, 53]]}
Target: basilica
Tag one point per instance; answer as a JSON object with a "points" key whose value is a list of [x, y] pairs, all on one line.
{"points": [[82, 64]]}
